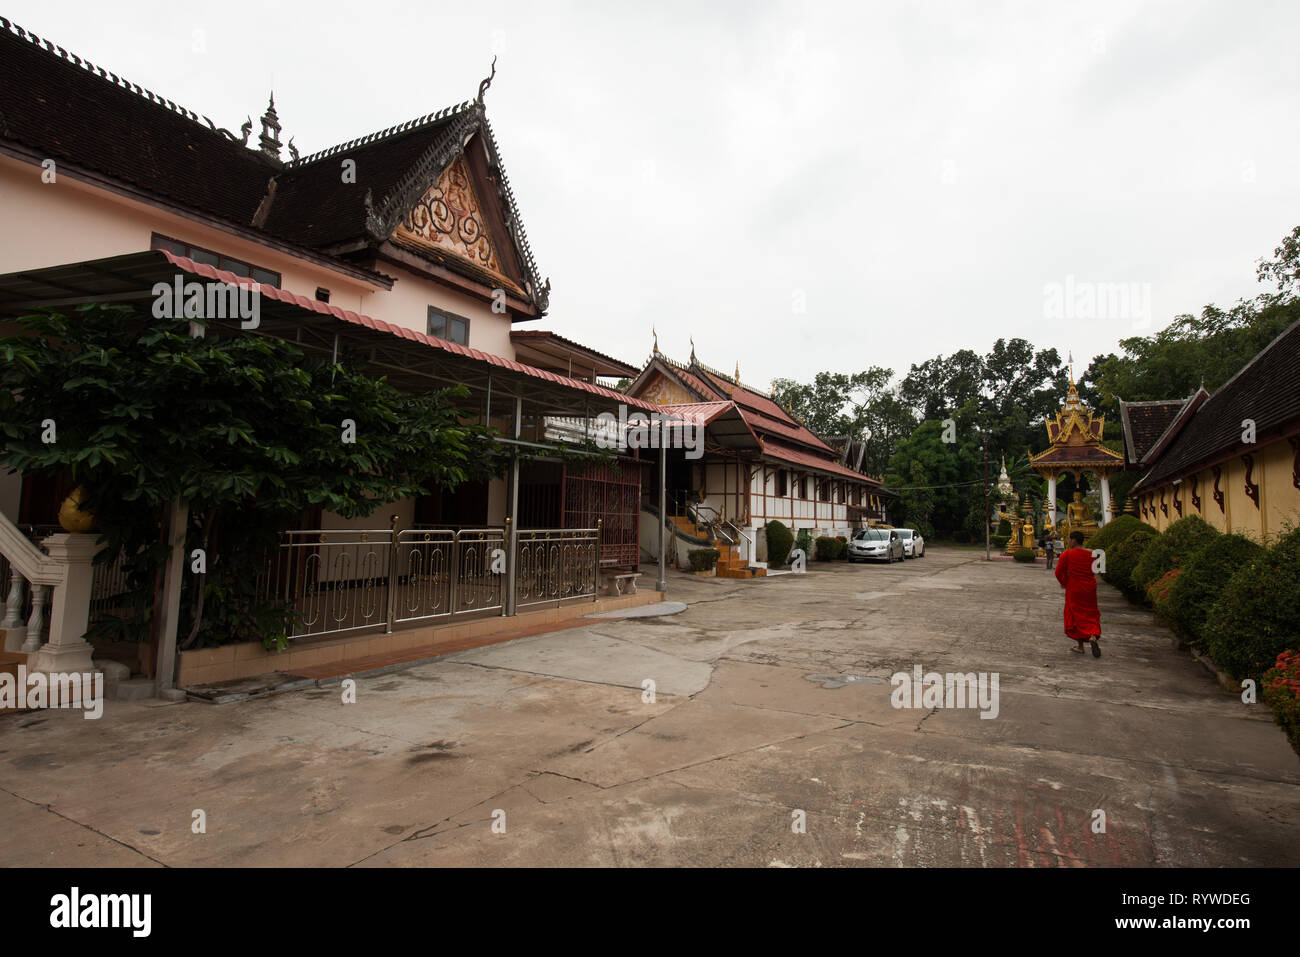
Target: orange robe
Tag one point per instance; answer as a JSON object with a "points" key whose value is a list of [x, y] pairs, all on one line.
{"points": [[1074, 572]]}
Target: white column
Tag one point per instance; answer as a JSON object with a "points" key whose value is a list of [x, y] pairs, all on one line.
{"points": [[1051, 497], [1105, 500], [12, 628], [67, 650]]}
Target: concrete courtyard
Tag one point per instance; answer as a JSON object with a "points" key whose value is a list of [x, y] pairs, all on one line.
{"points": [[772, 706]]}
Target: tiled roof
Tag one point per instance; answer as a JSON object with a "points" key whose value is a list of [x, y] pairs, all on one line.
{"points": [[1144, 423], [1079, 454], [796, 456], [65, 109], [1265, 391], [346, 315], [540, 335], [57, 106]]}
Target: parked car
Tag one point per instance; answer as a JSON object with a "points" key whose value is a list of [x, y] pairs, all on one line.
{"points": [[913, 542], [876, 544]]}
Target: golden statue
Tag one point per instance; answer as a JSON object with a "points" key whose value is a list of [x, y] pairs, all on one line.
{"points": [[1078, 514]]}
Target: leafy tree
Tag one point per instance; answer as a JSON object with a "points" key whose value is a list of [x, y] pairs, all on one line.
{"points": [[245, 428]]}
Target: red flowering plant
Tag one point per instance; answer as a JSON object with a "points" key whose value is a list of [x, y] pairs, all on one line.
{"points": [[1282, 692], [1161, 593]]}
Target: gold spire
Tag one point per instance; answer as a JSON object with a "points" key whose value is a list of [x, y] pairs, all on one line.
{"points": [[737, 375]]}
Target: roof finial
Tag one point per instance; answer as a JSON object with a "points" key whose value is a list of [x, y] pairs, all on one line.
{"points": [[693, 350], [654, 333], [737, 375], [483, 87], [270, 138]]}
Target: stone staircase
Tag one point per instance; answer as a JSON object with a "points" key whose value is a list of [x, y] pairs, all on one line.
{"points": [[730, 564]]}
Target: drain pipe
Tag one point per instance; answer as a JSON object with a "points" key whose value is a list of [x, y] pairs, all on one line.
{"points": [[662, 584]]}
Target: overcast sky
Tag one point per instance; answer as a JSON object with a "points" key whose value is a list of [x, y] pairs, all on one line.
{"points": [[802, 186]]}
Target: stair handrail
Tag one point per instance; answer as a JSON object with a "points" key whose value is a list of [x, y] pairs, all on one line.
{"points": [[26, 559], [746, 535]]}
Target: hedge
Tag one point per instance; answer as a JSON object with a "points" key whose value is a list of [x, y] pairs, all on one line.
{"points": [[1123, 558], [1118, 529], [702, 559], [1254, 618], [828, 549], [1281, 686], [1171, 549], [804, 542], [1204, 577], [1023, 554], [999, 541], [780, 542]]}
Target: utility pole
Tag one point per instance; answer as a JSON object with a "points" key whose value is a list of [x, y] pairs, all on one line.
{"points": [[987, 556]]}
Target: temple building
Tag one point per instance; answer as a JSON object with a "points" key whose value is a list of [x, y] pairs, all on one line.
{"points": [[759, 464], [1075, 436], [1233, 457], [403, 249]]}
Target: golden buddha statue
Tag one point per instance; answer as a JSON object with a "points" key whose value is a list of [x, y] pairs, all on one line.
{"points": [[1078, 514]]}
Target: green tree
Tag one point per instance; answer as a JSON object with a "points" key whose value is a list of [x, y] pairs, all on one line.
{"points": [[245, 428]]}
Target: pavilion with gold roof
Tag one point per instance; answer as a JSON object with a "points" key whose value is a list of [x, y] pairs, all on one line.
{"points": [[1075, 435]]}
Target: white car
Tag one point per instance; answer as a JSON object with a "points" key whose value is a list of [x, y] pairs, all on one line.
{"points": [[877, 544], [913, 542]]}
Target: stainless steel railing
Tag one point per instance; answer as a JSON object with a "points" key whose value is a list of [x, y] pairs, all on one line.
{"points": [[556, 564], [344, 580]]}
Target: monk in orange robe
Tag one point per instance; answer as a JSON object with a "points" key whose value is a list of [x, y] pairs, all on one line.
{"points": [[1082, 618]]}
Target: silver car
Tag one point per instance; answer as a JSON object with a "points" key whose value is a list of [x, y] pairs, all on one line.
{"points": [[913, 542], [876, 544]]}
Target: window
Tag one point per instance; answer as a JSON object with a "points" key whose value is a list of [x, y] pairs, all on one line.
{"points": [[448, 325], [782, 483], [209, 258], [322, 294], [823, 491], [803, 486]]}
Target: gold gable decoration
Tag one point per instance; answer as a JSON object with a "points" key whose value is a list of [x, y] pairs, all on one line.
{"points": [[1075, 423], [450, 217]]}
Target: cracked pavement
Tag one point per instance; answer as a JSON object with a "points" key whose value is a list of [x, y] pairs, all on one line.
{"points": [[754, 718]]}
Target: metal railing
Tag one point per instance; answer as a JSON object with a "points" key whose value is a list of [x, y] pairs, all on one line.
{"points": [[344, 580], [442, 571], [556, 564]]}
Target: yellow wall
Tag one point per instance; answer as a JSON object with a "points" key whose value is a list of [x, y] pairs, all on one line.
{"points": [[1279, 499]]}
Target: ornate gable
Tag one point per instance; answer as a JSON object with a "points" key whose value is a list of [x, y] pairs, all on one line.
{"points": [[662, 390], [450, 217]]}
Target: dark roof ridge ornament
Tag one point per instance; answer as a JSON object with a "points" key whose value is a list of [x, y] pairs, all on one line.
{"points": [[483, 87], [270, 137]]}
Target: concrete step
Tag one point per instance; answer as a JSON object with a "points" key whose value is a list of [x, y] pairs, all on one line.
{"points": [[741, 572]]}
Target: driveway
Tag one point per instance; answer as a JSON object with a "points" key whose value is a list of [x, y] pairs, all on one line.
{"points": [[771, 710]]}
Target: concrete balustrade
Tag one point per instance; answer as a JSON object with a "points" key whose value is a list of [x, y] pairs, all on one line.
{"points": [[60, 578]]}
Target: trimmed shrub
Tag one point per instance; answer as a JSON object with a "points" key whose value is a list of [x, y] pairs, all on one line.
{"points": [[999, 541], [1254, 619], [1118, 529], [804, 541], [1161, 594], [1123, 558], [1023, 554], [780, 542], [1281, 687], [1171, 549], [702, 559], [831, 549], [1004, 529], [1205, 575]]}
